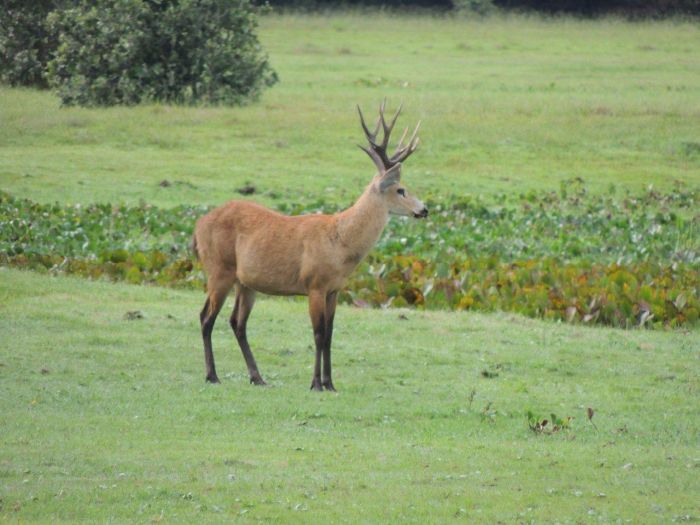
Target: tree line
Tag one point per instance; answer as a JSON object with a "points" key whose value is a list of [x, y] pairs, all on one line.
{"points": [[631, 8], [106, 52]]}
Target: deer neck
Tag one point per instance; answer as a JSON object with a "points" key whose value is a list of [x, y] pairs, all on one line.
{"points": [[361, 225]]}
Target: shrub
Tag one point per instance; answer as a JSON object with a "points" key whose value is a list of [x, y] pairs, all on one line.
{"points": [[26, 43], [178, 51], [633, 264]]}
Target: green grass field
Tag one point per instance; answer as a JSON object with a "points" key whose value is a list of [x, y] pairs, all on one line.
{"points": [[109, 420], [104, 419], [506, 104]]}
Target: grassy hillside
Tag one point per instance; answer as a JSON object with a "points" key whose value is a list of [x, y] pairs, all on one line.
{"points": [[507, 105], [109, 419]]}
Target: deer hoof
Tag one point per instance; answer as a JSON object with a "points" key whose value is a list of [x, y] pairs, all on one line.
{"points": [[328, 385], [257, 381], [212, 379], [316, 385]]}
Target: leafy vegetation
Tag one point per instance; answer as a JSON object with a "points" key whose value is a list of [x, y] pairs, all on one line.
{"points": [[124, 52], [26, 42], [624, 296], [572, 256], [539, 425]]}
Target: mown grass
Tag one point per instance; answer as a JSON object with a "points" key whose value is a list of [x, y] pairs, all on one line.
{"points": [[106, 419], [507, 104]]}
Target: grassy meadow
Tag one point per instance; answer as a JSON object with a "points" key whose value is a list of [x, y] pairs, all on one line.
{"points": [[106, 419], [507, 105], [109, 420]]}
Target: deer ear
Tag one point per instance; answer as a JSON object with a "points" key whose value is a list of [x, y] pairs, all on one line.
{"points": [[389, 177]]}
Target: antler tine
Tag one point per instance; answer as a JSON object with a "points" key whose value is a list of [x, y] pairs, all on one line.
{"points": [[385, 139], [415, 132], [378, 150], [403, 136], [376, 128], [387, 127], [414, 146], [402, 154], [378, 161], [370, 136]]}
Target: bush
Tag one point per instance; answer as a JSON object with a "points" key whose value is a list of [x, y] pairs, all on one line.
{"points": [[575, 257], [26, 43], [179, 51]]}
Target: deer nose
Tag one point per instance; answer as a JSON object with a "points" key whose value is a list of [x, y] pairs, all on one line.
{"points": [[421, 214]]}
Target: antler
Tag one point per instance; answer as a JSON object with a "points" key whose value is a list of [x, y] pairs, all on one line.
{"points": [[377, 151]]}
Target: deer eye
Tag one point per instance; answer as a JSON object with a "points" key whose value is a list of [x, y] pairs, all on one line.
{"points": [[401, 192]]}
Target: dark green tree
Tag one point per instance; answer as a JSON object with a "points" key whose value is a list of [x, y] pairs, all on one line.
{"points": [[176, 51], [26, 43]]}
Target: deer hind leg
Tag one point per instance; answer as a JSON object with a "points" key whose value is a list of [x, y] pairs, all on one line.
{"points": [[245, 299], [217, 290]]}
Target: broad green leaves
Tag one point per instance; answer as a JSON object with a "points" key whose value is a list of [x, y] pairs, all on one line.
{"points": [[629, 261]]}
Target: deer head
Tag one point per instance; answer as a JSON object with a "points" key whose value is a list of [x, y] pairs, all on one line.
{"points": [[387, 182]]}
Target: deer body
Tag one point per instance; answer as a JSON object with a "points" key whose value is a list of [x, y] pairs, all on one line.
{"points": [[282, 255], [254, 249]]}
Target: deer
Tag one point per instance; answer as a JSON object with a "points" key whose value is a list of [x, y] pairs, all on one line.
{"points": [[246, 246]]}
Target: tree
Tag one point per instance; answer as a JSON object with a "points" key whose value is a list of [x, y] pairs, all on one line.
{"points": [[26, 43], [177, 51]]}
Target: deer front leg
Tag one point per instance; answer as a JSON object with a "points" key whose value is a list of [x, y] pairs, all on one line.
{"points": [[317, 310], [331, 301]]}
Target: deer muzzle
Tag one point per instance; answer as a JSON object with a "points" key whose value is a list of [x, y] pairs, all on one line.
{"points": [[421, 214]]}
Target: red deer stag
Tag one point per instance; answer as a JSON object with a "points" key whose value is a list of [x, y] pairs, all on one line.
{"points": [[245, 245]]}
